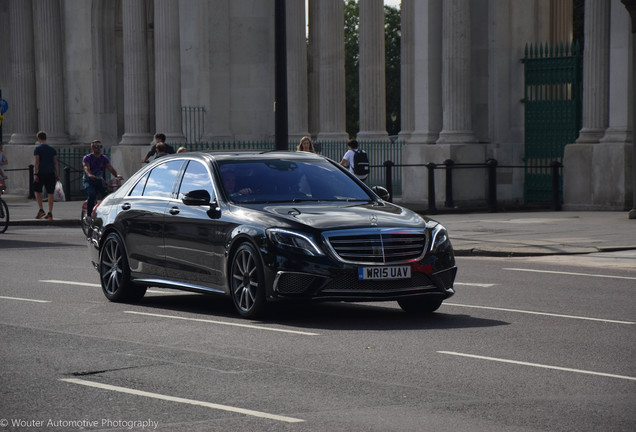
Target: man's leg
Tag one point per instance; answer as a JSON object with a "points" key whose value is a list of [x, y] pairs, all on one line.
{"points": [[91, 193]]}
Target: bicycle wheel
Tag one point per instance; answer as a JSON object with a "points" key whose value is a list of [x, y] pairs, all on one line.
{"points": [[4, 216], [84, 220]]}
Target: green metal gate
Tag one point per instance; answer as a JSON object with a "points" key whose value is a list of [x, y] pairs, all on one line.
{"points": [[552, 98]]}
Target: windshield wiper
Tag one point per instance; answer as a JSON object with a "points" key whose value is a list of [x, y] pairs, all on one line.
{"points": [[296, 200]]}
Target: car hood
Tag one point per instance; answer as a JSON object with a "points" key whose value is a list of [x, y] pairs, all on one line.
{"points": [[326, 216]]}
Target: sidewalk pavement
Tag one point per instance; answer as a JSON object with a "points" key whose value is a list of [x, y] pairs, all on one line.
{"points": [[533, 233]]}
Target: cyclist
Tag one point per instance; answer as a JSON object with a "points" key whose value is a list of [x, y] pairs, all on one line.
{"points": [[95, 164]]}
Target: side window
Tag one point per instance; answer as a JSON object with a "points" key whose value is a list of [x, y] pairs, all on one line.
{"points": [[162, 178], [196, 177], [138, 190]]}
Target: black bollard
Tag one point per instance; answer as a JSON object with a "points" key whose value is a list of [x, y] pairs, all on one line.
{"points": [[556, 186], [432, 209], [492, 185], [388, 165]]}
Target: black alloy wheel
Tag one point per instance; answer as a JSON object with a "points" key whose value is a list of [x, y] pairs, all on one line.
{"points": [[247, 282], [84, 222], [114, 272], [4, 216]]}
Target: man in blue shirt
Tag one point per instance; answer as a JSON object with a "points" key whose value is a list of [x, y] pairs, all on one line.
{"points": [[95, 165], [45, 173]]}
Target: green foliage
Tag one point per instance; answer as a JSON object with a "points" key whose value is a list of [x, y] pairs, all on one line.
{"points": [[352, 66], [392, 35], [392, 38]]}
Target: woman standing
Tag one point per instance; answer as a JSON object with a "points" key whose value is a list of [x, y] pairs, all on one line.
{"points": [[306, 145]]}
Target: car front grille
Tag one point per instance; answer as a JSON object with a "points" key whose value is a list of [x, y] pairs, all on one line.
{"points": [[377, 247]]}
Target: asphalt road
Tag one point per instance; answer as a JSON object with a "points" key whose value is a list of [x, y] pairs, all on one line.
{"points": [[527, 344]]}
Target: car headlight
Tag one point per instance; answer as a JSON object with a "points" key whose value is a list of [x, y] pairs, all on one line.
{"points": [[439, 236], [294, 240]]}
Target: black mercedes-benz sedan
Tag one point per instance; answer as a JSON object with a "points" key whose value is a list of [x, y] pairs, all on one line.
{"points": [[263, 227]]}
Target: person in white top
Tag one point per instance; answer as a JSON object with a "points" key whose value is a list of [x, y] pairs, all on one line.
{"points": [[348, 160]]}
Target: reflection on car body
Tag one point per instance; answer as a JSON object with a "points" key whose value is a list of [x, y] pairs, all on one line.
{"points": [[263, 227]]}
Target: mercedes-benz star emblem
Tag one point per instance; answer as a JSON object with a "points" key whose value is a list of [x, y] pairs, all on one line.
{"points": [[374, 220]]}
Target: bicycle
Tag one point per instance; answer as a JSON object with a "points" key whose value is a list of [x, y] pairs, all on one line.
{"points": [[85, 219], [4, 209]]}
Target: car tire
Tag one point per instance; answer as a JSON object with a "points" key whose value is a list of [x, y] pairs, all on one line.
{"points": [[114, 272], [420, 305], [247, 282]]}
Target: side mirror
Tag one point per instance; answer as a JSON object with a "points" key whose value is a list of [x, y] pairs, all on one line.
{"points": [[382, 193], [199, 197]]}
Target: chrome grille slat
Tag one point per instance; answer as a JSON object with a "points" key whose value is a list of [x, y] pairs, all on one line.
{"points": [[377, 246]]}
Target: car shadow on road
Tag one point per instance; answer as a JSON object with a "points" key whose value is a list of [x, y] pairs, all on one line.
{"points": [[11, 243], [325, 316]]}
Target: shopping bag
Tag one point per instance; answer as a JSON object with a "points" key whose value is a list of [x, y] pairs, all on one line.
{"points": [[58, 195]]}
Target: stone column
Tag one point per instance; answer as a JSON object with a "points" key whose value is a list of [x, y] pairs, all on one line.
{"points": [[407, 27], [456, 74], [313, 68], [136, 92], [24, 109], [611, 161], [49, 70], [372, 72], [332, 72], [168, 71], [421, 94], [595, 71], [583, 160], [619, 129], [561, 21], [296, 70], [218, 127], [426, 83]]}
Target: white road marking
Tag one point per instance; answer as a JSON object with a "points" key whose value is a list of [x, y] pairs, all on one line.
{"points": [[224, 323], [481, 285], [182, 400], [572, 273], [538, 365], [541, 313], [25, 299], [70, 283]]}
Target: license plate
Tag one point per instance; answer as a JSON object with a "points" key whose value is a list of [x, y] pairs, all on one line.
{"points": [[384, 273]]}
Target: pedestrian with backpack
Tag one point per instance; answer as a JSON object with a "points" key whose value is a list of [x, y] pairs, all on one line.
{"points": [[356, 160]]}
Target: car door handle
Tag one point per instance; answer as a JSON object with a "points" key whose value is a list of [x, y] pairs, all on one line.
{"points": [[174, 210], [126, 206]]}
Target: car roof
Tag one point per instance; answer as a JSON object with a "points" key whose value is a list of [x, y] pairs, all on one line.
{"points": [[261, 155]]}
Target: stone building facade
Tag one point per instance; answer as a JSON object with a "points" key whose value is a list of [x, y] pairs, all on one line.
{"points": [[120, 70]]}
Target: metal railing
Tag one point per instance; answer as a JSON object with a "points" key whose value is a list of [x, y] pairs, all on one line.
{"points": [[491, 165]]}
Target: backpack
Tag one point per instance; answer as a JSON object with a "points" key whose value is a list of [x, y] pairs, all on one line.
{"points": [[360, 163]]}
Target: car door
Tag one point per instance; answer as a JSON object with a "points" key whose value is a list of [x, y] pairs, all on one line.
{"points": [[143, 221], [195, 236]]}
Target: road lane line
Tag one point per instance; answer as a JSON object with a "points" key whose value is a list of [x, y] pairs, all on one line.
{"points": [[542, 313], [159, 396], [25, 299], [481, 285], [538, 365], [224, 323], [70, 283], [572, 273]]}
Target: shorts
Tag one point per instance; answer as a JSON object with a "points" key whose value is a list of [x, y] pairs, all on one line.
{"points": [[47, 180]]}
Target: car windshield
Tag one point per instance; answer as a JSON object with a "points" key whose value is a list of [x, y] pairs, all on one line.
{"points": [[288, 180]]}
